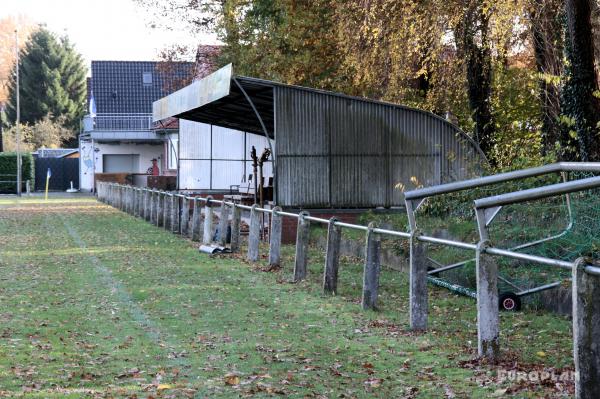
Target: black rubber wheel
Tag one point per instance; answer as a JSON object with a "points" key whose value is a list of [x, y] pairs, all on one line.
{"points": [[509, 302]]}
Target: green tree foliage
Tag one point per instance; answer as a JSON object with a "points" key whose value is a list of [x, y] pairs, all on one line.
{"points": [[52, 81], [290, 41], [48, 133]]}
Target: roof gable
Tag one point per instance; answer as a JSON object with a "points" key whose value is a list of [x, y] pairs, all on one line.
{"points": [[130, 87]]}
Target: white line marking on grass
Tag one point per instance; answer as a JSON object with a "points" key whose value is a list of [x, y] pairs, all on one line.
{"points": [[151, 329]]}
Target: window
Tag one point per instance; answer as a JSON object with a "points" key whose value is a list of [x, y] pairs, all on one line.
{"points": [[147, 78], [173, 152]]}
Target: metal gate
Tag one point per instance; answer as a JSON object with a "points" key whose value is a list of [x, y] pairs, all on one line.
{"points": [[64, 171]]}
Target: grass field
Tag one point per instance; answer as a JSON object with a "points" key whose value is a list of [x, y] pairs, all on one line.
{"points": [[96, 303]]}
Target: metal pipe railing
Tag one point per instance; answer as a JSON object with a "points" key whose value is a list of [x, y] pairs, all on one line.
{"points": [[415, 195], [538, 193]]}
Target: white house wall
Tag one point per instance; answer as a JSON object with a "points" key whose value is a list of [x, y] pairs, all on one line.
{"points": [[215, 158], [90, 158]]}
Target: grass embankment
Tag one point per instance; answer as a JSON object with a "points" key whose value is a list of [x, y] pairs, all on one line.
{"points": [[96, 303]]}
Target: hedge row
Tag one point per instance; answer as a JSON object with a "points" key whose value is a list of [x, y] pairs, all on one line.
{"points": [[8, 171]]}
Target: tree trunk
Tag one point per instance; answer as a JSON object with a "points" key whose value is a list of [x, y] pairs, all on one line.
{"points": [[473, 43], [582, 82], [546, 31]]}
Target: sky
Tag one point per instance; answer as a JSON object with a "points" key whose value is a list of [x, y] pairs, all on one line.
{"points": [[103, 29]]}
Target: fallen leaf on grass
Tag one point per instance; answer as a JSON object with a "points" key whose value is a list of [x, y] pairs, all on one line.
{"points": [[231, 379], [374, 382]]}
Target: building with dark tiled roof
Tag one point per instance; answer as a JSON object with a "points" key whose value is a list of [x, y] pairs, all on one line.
{"points": [[118, 136], [130, 87]]}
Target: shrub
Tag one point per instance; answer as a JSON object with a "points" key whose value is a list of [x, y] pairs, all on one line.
{"points": [[8, 171]]}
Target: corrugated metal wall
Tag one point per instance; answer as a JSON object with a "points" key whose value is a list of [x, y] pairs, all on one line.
{"points": [[335, 151]]}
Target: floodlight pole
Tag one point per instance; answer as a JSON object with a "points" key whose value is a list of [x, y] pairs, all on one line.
{"points": [[18, 122]]}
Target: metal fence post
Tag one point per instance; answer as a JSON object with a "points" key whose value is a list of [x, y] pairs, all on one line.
{"points": [[371, 270], [175, 213], [302, 237], [586, 331], [208, 222], [184, 220], [223, 223], [196, 220], [275, 238], [332, 257], [488, 329], [235, 228], [167, 211], [418, 283], [254, 234], [159, 208]]}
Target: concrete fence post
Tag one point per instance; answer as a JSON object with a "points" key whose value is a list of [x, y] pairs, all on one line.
{"points": [[126, 199], [167, 211], [175, 213], [148, 215], [127, 190], [372, 267], [130, 190], [236, 222], [586, 331], [184, 220], [119, 197], [223, 223], [140, 204], [122, 198], [144, 203], [418, 296], [332, 257], [254, 234], [488, 329], [134, 200], [275, 238], [196, 220], [302, 238], [152, 205], [159, 207], [208, 222]]}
